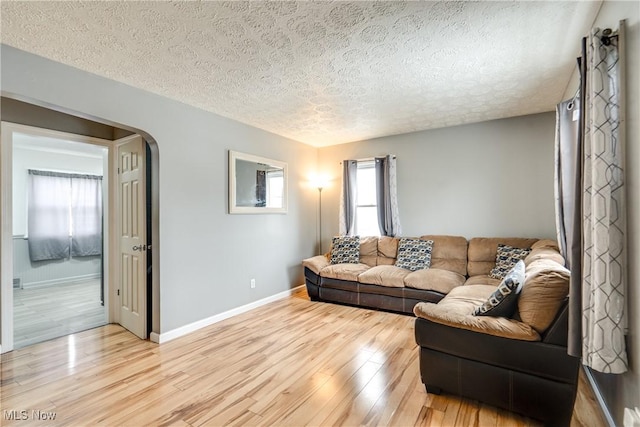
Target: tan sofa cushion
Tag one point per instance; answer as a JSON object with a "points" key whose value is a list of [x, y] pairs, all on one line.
{"points": [[482, 279], [482, 252], [316, 263], [434, 279], [387, 250], [455, 310], [545, 243], [369, 250], [449, 253], [384, 275], [545, 287], [344, 271], [544, 253]]}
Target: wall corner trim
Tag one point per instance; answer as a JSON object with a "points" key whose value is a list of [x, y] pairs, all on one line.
{"points": [[596, 391], [192, 327]]}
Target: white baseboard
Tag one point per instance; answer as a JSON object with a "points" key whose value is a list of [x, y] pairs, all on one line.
{"points": [[74, 279], [192, 327]]}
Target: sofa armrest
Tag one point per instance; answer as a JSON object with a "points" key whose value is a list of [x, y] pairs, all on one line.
{"points": [[316, 263]]}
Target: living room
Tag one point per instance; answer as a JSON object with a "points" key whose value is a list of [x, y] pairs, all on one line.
{"points": [[490, 178]]}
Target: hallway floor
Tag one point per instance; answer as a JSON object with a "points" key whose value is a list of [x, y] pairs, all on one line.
{"points": [[41, 314]]}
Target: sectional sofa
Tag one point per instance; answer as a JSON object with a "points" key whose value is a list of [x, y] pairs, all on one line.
{"points": [[516, 361], [375, 282]]}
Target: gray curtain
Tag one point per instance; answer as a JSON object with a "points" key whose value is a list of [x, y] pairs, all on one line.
{"points": [[386, 193], [86, 215], [568, 197], [64, 215], [349, 197], [261, 189], [48, 219]]}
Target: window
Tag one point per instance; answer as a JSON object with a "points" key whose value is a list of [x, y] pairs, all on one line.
{"points": [[366, 203], [361, 211], [275, 188]]}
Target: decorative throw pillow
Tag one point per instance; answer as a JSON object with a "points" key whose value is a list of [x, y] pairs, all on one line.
{"points": [[414, 254], [346, 250], [504, 300], [506, 258]]}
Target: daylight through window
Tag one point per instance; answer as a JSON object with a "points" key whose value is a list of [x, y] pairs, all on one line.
{"points": [[366, 205]]}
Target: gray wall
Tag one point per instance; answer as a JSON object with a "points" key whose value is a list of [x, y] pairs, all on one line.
{"points": [[487, 179], [620, 391], [207, 257], [43, 273]]}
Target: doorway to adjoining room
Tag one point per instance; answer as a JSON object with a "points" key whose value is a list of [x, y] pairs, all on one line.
{"points": [[59, 188]]}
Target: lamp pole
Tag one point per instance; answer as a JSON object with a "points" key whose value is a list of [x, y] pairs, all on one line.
{"points": [[320, 218]]}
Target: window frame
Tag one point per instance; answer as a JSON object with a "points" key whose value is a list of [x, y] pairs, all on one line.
{"points": [[362, 165]]}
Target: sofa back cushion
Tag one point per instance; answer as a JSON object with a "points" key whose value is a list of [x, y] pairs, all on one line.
{"points": [[545, 287], [482, 252], [387, 250], [449, 253], [545, 249], [369, 251]]}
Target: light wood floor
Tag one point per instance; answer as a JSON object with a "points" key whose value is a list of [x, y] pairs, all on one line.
{"points": [[289, 363], [48, 312]]}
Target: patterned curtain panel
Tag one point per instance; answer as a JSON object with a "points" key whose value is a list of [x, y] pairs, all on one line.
{"points": [[387, 196], [604, 226]]}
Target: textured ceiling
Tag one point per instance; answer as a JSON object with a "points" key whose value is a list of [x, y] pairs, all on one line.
{"points": [[321, 72]]}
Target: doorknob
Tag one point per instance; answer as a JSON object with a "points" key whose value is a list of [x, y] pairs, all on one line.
{"points": [[139, 248]]}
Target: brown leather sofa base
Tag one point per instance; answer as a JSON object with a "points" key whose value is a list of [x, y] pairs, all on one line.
{"points": [[535, 379], [399, 300]]}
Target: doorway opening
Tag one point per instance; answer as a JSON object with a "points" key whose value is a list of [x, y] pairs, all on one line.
{"points": [[59, 195], [89, 138]]}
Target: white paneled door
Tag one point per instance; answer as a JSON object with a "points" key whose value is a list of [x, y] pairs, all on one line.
{"points": [[131, 218]]}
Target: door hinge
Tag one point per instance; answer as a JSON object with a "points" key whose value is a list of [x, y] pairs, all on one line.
{"points": [[118, 292], [118, 171]]}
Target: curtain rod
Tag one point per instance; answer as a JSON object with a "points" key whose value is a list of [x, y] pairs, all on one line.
{"points": [[73, 174], [369, 159]]}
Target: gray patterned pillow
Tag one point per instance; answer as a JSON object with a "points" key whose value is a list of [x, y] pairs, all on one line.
{"points": [[504, 300], [414, 254], [506, 257], [346, 250]]}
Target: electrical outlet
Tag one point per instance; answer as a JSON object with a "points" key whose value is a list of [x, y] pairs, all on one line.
{"points": [[253, 283]]}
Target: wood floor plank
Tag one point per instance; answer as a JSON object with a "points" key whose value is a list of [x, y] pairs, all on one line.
{"points": [[47, 312], [302, 363]]}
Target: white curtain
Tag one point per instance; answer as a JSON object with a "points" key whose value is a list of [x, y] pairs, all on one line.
{"points": [[48, 216], [86, 215], [604, 225], [387, 196]]}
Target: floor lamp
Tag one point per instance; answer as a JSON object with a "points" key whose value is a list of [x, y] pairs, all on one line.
{"points": [[320, 217]]}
